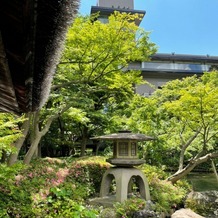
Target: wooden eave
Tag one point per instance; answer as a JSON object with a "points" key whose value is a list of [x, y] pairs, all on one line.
{"points": [[32, 33]]}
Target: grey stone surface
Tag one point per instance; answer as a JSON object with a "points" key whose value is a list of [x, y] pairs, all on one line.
{"points": [[108, 213], [185, 213], [147, 211], [123, 177], [206, 201], [125, 135], [125, 162], [144, 214]]}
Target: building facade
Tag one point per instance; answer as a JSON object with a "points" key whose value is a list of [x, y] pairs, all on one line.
{"points": [[165, 67], [162, 67]]}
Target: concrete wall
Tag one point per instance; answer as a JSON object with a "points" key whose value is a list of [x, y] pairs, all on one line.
{"points": [[147, 90], [157, 79], [116, 4], [159, 73]]}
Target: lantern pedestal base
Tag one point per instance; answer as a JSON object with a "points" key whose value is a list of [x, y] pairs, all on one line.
{"points": [[124, 178]]}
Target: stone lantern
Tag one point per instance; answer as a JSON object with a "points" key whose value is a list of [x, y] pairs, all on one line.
{"points": [[125, 157]]}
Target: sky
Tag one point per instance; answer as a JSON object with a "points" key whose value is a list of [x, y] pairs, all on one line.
{"points": [[177, 26]]}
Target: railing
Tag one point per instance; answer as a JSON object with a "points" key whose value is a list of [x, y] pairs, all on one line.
{"points": [[175, 67]]}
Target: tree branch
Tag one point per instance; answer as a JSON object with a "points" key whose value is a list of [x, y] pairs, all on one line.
{"points": [[51, 118], [184, 147], [192, 164]]}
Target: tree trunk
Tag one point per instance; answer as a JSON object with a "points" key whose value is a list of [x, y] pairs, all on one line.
{"points": [[84, 141], [64, 146], [83, 146], [193, 163], [32, 149], [184, 147], [39, 151], [37, 135], [19, 143], [214, 170]]}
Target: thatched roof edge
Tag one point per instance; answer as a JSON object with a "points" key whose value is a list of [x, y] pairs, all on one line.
{"points": [[64, 13]]}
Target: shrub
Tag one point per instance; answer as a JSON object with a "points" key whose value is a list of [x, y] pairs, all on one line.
{"points": [[53, 187], [13, 197], [152, 172], [194, 205], [59, 203], [96, 167], [128, 207], [107, 213], [164, 194], [44, 184]]}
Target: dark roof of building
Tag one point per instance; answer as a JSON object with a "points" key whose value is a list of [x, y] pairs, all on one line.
{"points": [[32, 33], [185, 58]]}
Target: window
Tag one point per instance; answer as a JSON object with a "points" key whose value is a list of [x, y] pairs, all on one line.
{"points": [[133, 149], [170, 66], [103, 19], [123, 148]]}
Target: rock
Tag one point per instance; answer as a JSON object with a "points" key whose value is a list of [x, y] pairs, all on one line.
{"points": [[205, 203], [144, 214], [185, 213], [108, 213]]}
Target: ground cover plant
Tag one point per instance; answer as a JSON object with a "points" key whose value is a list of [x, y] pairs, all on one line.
{"points": [[52, 187]]}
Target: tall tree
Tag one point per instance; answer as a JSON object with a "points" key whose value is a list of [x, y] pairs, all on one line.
{"points": [[93, 72], [183, 116], [95, 66], [196, 111]]}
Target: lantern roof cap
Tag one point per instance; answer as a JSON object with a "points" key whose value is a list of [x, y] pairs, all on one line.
{"points": [[125, 134]]}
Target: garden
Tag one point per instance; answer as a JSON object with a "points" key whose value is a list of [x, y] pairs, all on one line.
{"points": [[53, 187], [50, 164]]}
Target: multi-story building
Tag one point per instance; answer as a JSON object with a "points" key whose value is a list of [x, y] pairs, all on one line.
{"points": [[162, 67], [165, 67]]}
